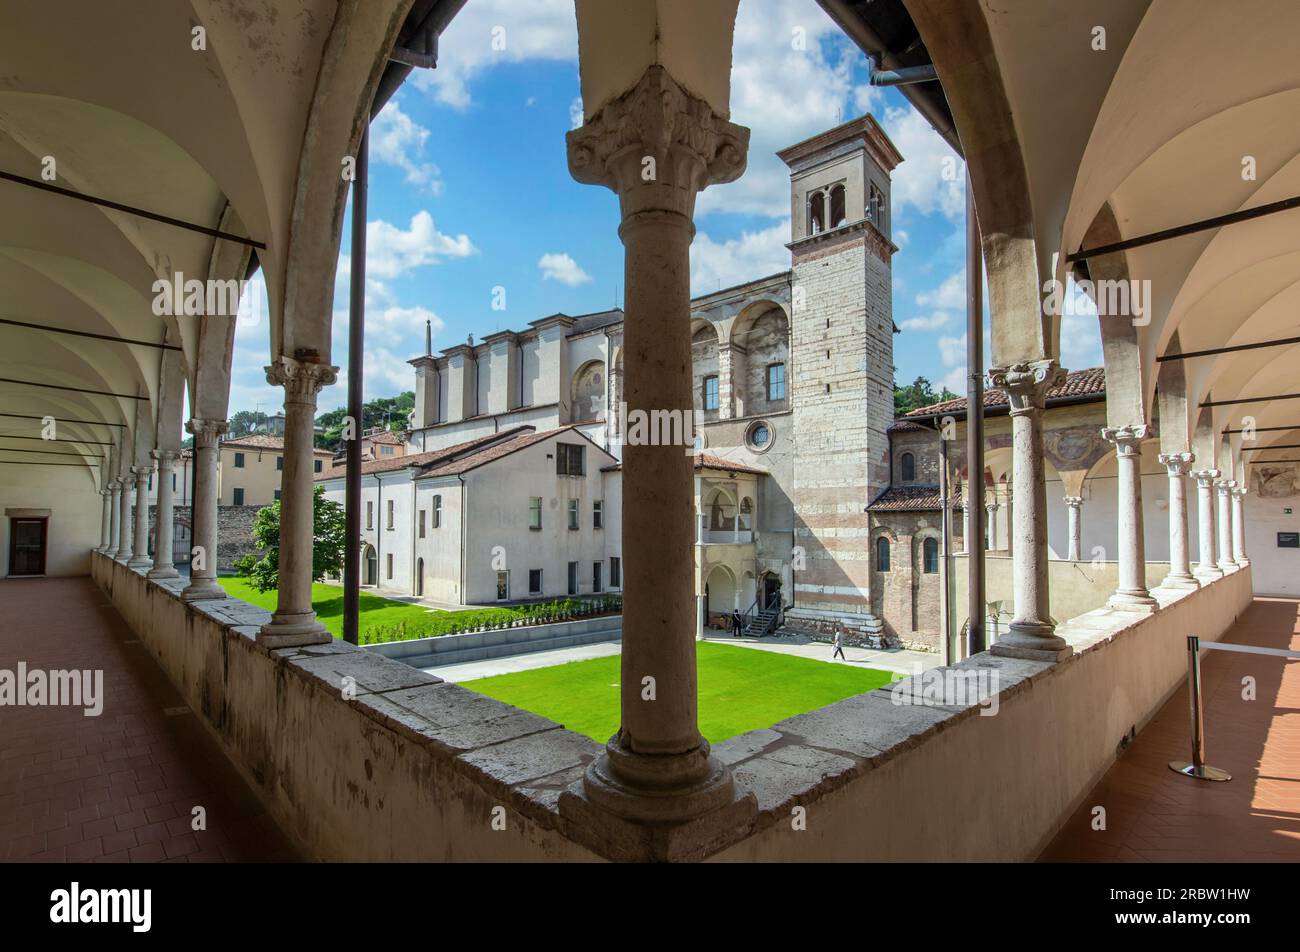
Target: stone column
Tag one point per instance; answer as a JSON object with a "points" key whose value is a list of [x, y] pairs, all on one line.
{"points": [[657, 146], [1180, 569], [106, 524], [1132, 594], [1239, 526], [1032, 633], [140, 553], [115, 519], [726, 381], [123, 552], [163, 567], [1225, 487], [1074, 505], [203, 511], [294, 621], [992, 522], [1208, 567]]}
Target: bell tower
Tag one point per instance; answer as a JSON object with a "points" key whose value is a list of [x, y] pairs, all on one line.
{"points": [[842, 351]]}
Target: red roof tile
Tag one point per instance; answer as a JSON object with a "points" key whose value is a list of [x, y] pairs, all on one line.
{"points": [[385, 464], [911, 499], [1078, 383], [709, 461]]}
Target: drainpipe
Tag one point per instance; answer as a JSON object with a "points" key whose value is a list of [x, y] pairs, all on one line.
{"points": [[356, 361], [905, 76], [945, 594], [464, 511], [415, 516], [976, 641]]}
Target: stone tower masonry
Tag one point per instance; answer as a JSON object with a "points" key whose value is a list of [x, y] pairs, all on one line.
{"points": [[842, 355]]}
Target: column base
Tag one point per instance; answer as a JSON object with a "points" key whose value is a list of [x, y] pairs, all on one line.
{"points": [[1031, 642], [286, 630], [139, 562], [1180, 582], [202, 588], [1209, 574], [1140, 602], [647, 807], [163, 571]]}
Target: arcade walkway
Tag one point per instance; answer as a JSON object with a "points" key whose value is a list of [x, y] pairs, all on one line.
{"points": [[121, 786], [1155, 815]]}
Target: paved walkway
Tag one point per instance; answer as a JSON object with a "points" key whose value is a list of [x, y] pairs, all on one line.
{"points": [[901, 661], [1156, 815], [121, 786]]}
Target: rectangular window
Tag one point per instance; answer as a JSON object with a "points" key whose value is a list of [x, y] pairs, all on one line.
{"points": [[710, 393], [173, 482], [598, 514], [385, 451], [370, 513], [277, 495], [239, 461], [318, 465], [573, 513], [535, 513], [390, 514], [776, 381], [573, 578], [437, 511], [149, 485], [534, 581], [597, 576], [279, 464], [390, 565], [421, 523], [615, 571], [569, 459], [237, 496], [503, 586]]}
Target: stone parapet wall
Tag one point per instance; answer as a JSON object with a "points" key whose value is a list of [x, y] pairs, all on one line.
{"points": [[408, 768]]}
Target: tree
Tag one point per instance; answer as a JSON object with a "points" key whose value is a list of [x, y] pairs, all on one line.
{"points": [[328, 541], [247, 421], [920, 393], [391, 413]]}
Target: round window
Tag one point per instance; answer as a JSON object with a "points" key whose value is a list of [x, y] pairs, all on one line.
{"points": [[760, 436]]}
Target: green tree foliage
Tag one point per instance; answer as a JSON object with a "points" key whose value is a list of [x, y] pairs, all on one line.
{"points": [[327, 543], [919, 393], [247, 421], [388, 412]]}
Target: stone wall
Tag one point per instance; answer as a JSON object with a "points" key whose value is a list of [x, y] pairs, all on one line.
{"points": [[234, 534]]}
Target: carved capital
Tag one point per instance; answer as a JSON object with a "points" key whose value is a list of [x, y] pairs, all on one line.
{"points": [[141, 473], [166, 458], [1127, 439], [1074, 502], [1205, 478], [1027, 384], [1227, 485], [301, 379], [1178, 464], [657, 146], [207, 433], [1239, 491]]}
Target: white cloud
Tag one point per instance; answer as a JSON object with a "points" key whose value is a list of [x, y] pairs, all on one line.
{"points": [[488, 32], [575, 112], [929, 322], [951, 294], [754, 254], [391, 251], [562, 268], [398, 140], [952, 351], [931, 177]]}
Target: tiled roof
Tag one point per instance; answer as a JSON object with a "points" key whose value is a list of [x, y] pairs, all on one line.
{"points": [[489, 454], [256, 441], [387, 436], [708, 461], [386, 464], [906, 426], [1078, 383], [911, 499]]}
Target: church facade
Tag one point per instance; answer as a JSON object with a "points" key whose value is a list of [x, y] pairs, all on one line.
{"points": [[793, 405]]}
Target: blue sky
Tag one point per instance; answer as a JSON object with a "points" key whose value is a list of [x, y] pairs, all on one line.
{"points": [[470, 191]]}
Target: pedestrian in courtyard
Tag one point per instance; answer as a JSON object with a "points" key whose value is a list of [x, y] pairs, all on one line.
{"points": [[839, 643], [735, 624]]}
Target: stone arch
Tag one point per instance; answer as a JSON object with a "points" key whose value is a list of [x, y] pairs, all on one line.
{"points": [[759, 339], [722, 589], [704, 362], [587, 392]]}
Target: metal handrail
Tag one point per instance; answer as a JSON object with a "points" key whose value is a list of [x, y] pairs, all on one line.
{"points": [[1198, 769]]}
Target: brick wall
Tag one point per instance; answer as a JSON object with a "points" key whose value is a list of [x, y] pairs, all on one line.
{"points": [[234, 534]]}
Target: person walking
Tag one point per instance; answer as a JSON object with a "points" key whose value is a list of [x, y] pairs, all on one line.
{"points": [[735, 624], [839, 644]]}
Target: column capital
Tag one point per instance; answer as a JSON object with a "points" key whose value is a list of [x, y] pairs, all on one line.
{"points": [[207, 433], [301, 379], [1226, 485], [1239, 491], [1205, 477], [1178, 464], [1027, 383], [1074, 502], [657, 146], [141, 472], [107, 490], [165, 458], [1127, 439]]}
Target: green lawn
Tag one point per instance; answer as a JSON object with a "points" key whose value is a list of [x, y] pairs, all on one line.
{"points": [[740, 689]]}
